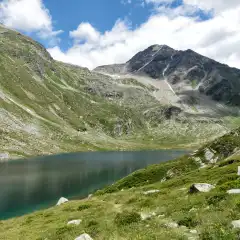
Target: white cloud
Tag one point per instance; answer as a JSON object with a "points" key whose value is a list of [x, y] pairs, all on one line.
{"points": [[85, 32], [217, 5], [28, 16], [218, 38]]}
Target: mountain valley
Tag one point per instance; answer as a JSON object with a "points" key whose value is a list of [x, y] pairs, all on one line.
{"points": [[161, 98]]}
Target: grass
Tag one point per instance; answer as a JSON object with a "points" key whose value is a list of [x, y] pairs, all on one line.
{"points": [[115, 212]]}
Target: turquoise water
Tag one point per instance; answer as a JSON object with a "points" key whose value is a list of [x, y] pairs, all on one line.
{"points": [[33, 184]]}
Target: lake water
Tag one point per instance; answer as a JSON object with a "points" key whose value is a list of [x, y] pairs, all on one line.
{"points": [[29, 185]]}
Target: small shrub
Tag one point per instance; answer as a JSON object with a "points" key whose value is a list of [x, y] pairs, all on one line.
{"points": [[92, 223], [48, 214], [62, 230], [214, 200], [28, 220], [188, 221], [227, 178], [126, 218], [217, 232], [83, 207], [228, 162], [68, 209], [230, 185], [144, 203], [132, 200], [238, 205]]}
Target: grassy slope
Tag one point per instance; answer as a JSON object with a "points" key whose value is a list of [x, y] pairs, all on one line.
{"points": [[50, 107], [113, 213]]}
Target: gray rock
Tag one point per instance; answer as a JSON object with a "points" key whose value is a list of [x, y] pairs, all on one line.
{"points": [[4, 156], [61, 201], [74, 222], [171, 225], [199, 161], [236, 224], [194, 231], [170, 173], [209, 155], [84, 236], [146, 216], [151, 192], [234, 191], [201, 187], [90, 196], [164, 180], [193, 238]]}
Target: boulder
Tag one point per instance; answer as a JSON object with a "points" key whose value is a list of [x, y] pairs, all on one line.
{"points": [[84, 236], [151, 192], [146, 216], [4, 156], [201, 187], [74, 222], [236, 224], [209, 156], [234, 191], [90, 196], [61, 201], [171, 225]]}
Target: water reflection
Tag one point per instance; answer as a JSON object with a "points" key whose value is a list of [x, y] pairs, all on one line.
{"points": [[28, 185]]}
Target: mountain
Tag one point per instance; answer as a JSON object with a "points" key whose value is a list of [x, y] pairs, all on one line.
{"points": [[49, 107], [163, 201], [186, 72]]}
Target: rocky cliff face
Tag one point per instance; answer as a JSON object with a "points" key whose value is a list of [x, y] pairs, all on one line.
{"points": [[185, 71]]}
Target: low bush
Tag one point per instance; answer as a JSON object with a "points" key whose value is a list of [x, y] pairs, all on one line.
{"points": [[215, 199], [188, 221], [83, 207], [126, 218]]}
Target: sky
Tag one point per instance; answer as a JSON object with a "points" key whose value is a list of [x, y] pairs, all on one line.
{"points": [[91, 33]]}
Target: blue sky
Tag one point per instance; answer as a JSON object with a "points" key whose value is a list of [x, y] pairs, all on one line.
{"points": [[101, 14], [95, 32]]}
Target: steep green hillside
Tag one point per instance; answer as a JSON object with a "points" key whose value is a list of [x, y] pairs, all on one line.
{"points": [[127, 210], [50, 107]]}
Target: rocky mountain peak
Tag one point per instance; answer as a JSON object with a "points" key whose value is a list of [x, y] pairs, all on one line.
{"points": [[186, 71]]}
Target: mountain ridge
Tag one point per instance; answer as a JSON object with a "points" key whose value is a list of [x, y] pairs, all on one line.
{"points": [[49, 107], [184, 69]]}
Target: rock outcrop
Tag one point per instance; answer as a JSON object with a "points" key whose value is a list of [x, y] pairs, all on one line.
{"points": [[61, 201], [151, 192], [84, 236], [201, 187], [74, 222], [236, 224]]}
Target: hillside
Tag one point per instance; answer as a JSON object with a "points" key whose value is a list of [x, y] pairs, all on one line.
{"points": [[154, 203], [49, 107]]}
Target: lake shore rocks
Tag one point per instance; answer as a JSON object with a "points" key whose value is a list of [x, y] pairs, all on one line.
{"points": [[61, 201]]}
